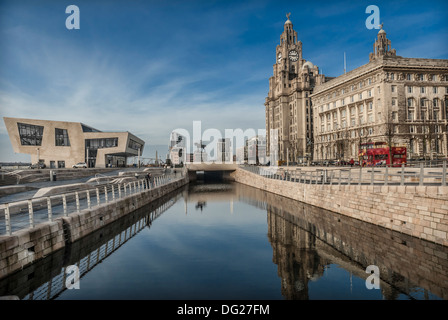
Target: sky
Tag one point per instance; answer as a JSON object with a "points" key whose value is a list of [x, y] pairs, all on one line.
{"points": [[150, 67]]}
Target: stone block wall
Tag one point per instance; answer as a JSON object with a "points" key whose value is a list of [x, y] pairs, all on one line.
{"points": [[419, 211]]}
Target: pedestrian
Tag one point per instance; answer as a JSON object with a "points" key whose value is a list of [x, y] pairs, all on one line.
{"points": [[352, 162], [148, 178]]}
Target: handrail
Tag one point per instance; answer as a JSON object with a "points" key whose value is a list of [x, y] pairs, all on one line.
{"points": [[111, 192], [375, 175], [11, 173]]}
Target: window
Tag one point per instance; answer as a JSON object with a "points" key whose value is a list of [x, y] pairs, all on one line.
{"points": [[408, 76], [352, 98], [371, 105], [369, 81], [409, 89], [394, 88], [134, 145], [394, 101], [101, 143], [422, 89], [61, 137], [360, 96], [423, 115], [369, 93], [432, 77], [422, 102], [435, 115], [410, 115], [435, 102], [434, 89], [370, 131], [392, 76], [370, 118], [361, 108], [410, 103], [30, 135], [420, 77]]}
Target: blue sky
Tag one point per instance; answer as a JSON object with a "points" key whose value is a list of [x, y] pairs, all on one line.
{"points": [[149, 67]]}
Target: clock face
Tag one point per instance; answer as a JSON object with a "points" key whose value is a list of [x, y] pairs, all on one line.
{"points": [[293, 55], [279, 57]]}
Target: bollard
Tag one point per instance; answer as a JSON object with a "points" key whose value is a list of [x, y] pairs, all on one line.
{"points": [[7, 220], [49, 209], [30, 212]]}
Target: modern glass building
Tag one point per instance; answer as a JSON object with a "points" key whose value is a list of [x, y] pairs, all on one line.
{"points": [[61, 144]]}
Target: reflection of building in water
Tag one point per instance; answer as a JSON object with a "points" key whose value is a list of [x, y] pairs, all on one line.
{"points": [[295, 254]]}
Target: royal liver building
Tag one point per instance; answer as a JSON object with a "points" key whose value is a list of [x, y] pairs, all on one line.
{"points": [[288, 104]]}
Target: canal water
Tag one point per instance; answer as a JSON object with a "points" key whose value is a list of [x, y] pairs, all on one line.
{"points": [[219, 240]]}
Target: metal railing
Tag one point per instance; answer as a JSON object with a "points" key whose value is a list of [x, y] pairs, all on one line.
{"points": [[28, 213], [381, 175], [57, 284]]}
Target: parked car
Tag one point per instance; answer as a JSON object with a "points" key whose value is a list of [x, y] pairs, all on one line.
{"points": [[80, 165], [39, 165]]}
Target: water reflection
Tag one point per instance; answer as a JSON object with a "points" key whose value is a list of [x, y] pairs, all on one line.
{"points": [[307, 242], [317, 254]]}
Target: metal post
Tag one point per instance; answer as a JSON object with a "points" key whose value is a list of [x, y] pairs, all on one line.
{"points": [[402, 175], [340, 176], [64, 204], [113, 192], [30, 212], [119, 191], [360, 175], [386, 175], [49, 209], [444, 173], [349, 176], [421, 175], [88, 199], [106, 197], [77, 200], [372, 173], [97, 196], [7, 220]]}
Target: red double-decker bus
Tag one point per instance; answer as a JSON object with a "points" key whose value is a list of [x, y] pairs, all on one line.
{"points": [[377, 153]]}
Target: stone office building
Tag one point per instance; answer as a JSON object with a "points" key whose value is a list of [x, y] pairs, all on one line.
{"points": [[288, 104], [60, 144], [397, 100]]}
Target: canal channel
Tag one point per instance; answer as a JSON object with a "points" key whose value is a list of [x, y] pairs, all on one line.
{"points": [[224, 240]]}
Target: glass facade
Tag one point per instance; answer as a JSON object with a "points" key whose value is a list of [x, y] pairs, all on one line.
{"points": [[101, 143], [30, 135], [134, 145], [61, 137], [92, 146]]}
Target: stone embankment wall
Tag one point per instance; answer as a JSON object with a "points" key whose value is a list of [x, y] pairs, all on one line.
{"points": [[29, 245], [419, 211]]}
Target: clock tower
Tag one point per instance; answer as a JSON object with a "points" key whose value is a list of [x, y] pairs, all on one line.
{"points": [[288, 104]]}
